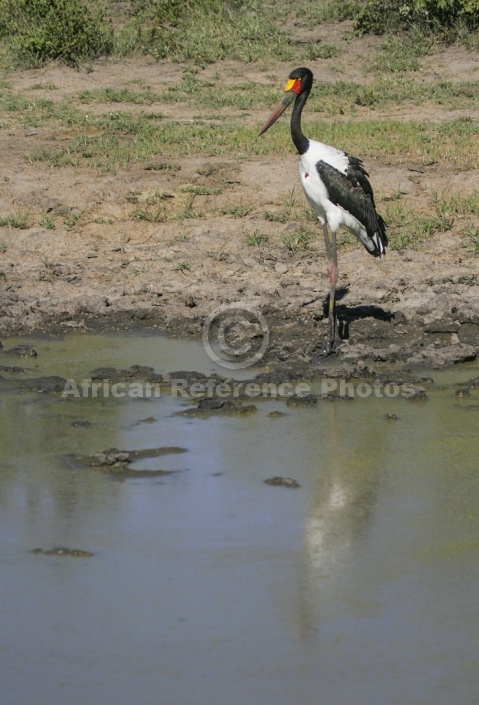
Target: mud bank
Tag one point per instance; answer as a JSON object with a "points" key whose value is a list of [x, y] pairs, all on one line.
{"points": [[373, 338]]}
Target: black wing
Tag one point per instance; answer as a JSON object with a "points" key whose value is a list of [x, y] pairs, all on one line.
{"points": [[352, 191]]}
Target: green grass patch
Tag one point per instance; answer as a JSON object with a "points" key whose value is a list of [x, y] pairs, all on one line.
{"points": [[200, 190], [470, 240], [327, 98], [118, 95], [237, 210], [48, 221], [150, 214], [408, 229], [320, 50], [345, 96], [134, 139], [298, 240], [398, 54], [449, 204], [205, 32], [42, 87], [256, 238], [55, 157], [276, 217], [19, 219]]}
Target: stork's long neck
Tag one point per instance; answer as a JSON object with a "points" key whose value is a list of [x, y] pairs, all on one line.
{"points": [[300, 141]]}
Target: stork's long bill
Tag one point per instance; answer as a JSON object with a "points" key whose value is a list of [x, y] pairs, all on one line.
{"points": [[291, 90]]}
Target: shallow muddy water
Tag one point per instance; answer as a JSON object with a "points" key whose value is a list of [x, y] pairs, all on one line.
{"points": [[208, 586]]}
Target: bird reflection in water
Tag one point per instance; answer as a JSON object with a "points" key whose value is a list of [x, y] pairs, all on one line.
{"points": [[338, 519]]}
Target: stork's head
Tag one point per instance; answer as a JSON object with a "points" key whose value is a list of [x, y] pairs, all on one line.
{"points": [[299, 81]]}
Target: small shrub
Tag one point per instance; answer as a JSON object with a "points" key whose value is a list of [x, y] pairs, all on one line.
{"points": [[439, 16], [42, 30]]}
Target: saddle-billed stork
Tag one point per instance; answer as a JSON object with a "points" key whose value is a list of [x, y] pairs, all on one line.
{"points": [[336, 185]]}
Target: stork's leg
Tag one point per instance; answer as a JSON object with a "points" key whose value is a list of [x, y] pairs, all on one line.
{"points": [[333, 272]]}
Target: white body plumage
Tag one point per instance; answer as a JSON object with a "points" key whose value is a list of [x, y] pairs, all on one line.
{"points": [[316, 192]]}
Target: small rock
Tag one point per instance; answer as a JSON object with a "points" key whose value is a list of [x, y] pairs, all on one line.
{"points": [[22, 351], [416, 393], [282, 482], [299, 400], [113, 457], [44, 385], [12, 369], [448, 355], [209, 406], [275, 414], [444, 325]]}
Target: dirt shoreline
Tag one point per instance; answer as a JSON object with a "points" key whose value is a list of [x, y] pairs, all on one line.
{"points": [[416, 308], [377, 339], [94, 258]]}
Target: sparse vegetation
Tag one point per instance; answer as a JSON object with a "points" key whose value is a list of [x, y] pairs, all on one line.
{"points": [[19, 220], [150, 214], [298, 240], [276, 217], [219, 255], [71, 219], [470, 240], [409, 228], [401, 54], [48, 221], [256, 238], [237, 210], [183, 266]]}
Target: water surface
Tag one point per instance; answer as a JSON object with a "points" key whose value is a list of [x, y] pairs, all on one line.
{"points": [[208, 586]]}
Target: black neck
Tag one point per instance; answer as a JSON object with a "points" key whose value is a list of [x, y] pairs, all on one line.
{"points": [[300, 141]]}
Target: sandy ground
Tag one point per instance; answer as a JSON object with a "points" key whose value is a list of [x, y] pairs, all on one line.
{"points": [[111, 271]]}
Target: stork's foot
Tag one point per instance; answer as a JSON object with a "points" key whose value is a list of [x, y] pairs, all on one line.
{"points": [[331, 347], [326, 352]]}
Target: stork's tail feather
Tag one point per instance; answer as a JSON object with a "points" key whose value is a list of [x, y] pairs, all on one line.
{"points": [[379, 238]]}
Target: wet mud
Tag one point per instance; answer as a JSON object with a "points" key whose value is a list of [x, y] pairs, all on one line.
{"points": [[120, 463]]}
